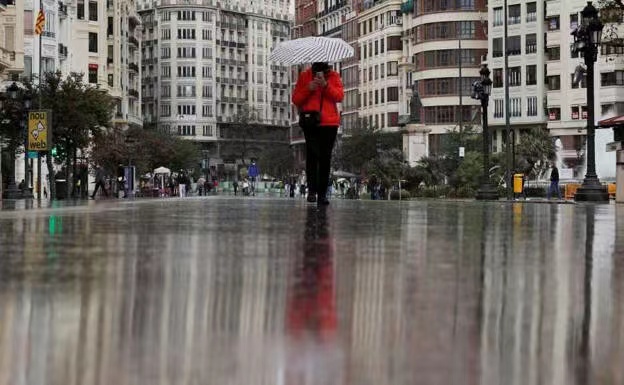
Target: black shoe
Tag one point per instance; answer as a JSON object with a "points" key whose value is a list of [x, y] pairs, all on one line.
{"points": [[311, 197], [323, 201]]}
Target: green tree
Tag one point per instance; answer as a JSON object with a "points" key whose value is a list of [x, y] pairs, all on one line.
{"points": [[12, 132], [79, 112], [388, 167], [277, 161], [534, 151]]}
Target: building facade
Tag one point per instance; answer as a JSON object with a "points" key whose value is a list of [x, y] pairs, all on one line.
{"points": [[207, 74], [11, 39], [445, 44], [381, 49]]}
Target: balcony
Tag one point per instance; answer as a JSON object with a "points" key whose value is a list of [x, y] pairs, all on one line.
{"points": [[133, 93], [133, 67]]}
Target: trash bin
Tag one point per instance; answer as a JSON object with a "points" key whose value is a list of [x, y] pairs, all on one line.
{"points": [[61, 188], [518, 183]]}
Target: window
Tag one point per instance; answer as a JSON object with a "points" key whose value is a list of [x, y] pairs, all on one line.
{"points": [[165, 110], [207, 16], [93, 11], [615, 78], [554, 113], [553, 23], [186, 71], [207, 34], [554, 82], [498, 16], [393, 68], [166, 34], [531, 75], [467, 30], [165, 71], [581, 84], [499, 108], [80, 10], [395, 43], [515, 107], [208, 130], [186, 91], [186, 109], [166, 16], [186, 130], [93, 74], [165, 91], [497, 78], [393, 119], [393, 94], [207, 72], [553, 53], [382, 45], [186, 33], [186, 52], [531, 9], [515, 46], [532, 106], [207, 110], [376, 47], [165, 52], [93, 42], [207, 52], [515, 76], [186, 15], [497, 47], [514, 14], [531, 43], [207, 91], [574, 21]]}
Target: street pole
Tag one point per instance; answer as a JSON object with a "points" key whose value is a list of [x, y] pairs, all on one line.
{"points": [[508, 172], [461, 85], [40, 107], [591, 190], [482, 92]]}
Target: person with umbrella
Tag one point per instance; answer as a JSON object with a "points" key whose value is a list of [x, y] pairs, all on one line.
{"points": [[318, 91]]}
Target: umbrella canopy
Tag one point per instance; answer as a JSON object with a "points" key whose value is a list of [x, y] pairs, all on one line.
{"points": [[343, 174], [162, 170], [312, 49]]}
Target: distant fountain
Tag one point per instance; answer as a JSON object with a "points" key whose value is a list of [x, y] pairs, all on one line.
{"points": [[605, 161]]}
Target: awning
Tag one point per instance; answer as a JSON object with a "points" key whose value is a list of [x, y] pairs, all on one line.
{"points": [[611, 122]]}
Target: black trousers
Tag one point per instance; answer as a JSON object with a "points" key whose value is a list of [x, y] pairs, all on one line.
{"points": [[319, 145]]}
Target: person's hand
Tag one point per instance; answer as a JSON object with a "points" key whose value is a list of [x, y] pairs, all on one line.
{"points": [[321, 81], [313, 85]]}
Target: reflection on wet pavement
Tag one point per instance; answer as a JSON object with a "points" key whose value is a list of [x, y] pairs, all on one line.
{"points": [[261, 291]]}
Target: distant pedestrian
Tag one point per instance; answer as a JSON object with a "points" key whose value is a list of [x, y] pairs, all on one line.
{"points": [[554, 183], [253, 172], [100, 180], [235, 185]]}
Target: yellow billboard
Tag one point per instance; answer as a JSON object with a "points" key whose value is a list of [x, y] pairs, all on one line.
{"points": [[39, 130]]}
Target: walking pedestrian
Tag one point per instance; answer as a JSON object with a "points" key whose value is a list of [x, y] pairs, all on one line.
{"points": [[100, 182], [318, 91], [253, 171], [235, 184], [554, 182]]}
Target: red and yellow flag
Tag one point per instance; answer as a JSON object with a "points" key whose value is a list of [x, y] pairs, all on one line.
{"points": [[40, 23]]}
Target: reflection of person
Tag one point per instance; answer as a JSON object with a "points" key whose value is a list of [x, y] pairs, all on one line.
{"points": [[316, 95], [554, 182], [311, 305]]}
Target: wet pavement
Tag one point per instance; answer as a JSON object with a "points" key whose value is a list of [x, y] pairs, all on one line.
{"points": [[273, 291]]}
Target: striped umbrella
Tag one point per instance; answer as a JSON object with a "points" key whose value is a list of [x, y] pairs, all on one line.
{"points": [[312, 49]]}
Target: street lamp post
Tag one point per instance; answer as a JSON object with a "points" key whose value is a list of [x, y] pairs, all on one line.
{"points": [[481, 91], [587, 40]]}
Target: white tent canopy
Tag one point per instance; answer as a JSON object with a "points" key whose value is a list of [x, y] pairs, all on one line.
{"points": [[162, 170]]}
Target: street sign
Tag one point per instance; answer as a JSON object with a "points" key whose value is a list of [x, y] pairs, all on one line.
{"points": [[614, 146], [39, 130], [32, 155], [462, 152]]}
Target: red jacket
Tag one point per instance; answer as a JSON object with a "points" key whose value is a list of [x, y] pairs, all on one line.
{"points": [[307, 101]]}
